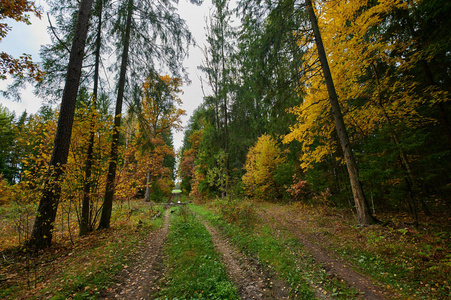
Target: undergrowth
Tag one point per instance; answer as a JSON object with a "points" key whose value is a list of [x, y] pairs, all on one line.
{"points": [[81, 270], [412, 261]]}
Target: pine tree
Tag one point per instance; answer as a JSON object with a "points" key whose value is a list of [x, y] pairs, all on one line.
{"points": [[86, 223], [157, 34], [218, 68], [41, 235]]}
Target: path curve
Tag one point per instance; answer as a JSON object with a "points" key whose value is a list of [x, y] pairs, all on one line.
{"points": [[331, 263]]}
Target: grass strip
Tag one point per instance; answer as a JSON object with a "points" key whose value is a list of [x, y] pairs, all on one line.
{"points": [[282, 253], [195, 270]]}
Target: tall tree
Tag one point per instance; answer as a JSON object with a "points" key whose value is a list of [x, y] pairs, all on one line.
{"points": [[363, 210], [109, 192], [218, 68], [62, 18], [157, 33], [86, 220], [159, 115], [41, 235], [270, 62], [6, 142], [377, 74]]}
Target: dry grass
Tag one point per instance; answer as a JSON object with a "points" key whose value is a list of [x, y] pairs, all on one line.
{"points": [[74, 267]]}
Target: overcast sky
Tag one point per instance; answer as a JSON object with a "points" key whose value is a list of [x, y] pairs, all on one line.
{"points": [[28, 39]]}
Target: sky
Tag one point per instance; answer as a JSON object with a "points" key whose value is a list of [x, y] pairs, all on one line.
{"points": [[29, 38], [192, 97]]}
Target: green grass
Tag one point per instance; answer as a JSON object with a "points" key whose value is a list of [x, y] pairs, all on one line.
{"points": [[403, 270], [195, 270], [281, 253]]}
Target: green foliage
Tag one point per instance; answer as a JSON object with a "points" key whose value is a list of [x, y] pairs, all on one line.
{"points": [[389, 74], [217, 176], [8, 170], [157, 194], [282, 179]]}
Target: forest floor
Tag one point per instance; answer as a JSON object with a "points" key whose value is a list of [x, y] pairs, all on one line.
{"points": [[134, 282], [283, 219], [270, 251]]}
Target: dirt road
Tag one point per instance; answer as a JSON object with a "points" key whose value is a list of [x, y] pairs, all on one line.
{"points": [[144, 278], [137, 281]]}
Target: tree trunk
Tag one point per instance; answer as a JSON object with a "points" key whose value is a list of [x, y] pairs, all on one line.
{"points": [[147, 194], [41, 235], [363, 210], [109, 192], [223, 93], [86, 211], [85, 222]]}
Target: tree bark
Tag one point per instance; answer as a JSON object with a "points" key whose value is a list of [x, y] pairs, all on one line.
{"points": [[86, 211], [147, 194], [41, 236], [363, 210], [109, 192]]}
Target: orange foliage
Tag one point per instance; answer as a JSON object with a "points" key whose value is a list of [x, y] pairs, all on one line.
{"points": [[300, 189], [187, 165], [17, 10], [160, 114]]}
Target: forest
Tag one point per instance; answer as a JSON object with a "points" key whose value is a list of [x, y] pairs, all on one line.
{"points": [[334, 114]]}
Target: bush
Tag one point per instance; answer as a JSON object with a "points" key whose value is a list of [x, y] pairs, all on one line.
{"points": [[238, 212], [157, 194], [5, 193], [299, 189]]}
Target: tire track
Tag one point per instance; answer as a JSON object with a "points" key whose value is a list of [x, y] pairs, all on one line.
{"points": [[331, 263], [247, 275], [136, 282]]}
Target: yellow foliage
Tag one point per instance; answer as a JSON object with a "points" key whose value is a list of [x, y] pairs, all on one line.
{"points": [[262, 161], [37, 137], [5, 192], [353, 50]]}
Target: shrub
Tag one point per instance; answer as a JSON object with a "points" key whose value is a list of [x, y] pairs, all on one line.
{"points": [[299, 189], [238, 212]]}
